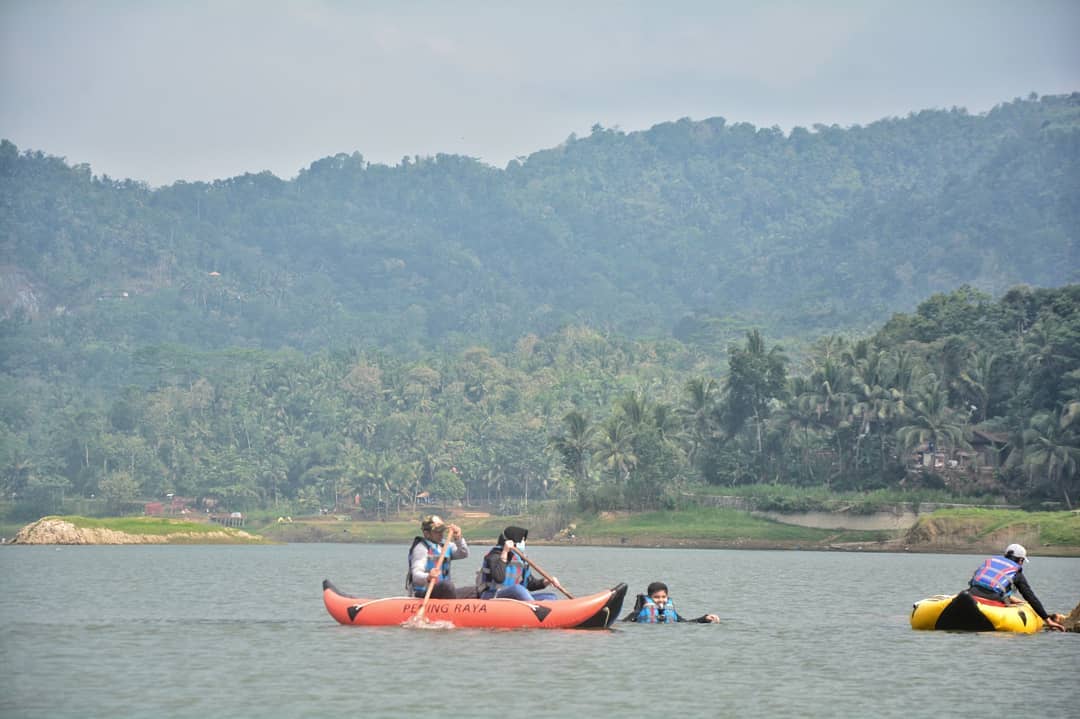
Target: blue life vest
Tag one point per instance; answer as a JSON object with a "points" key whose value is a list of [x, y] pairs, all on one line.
{"points": [[996, 575], [517, 572], [651, 613], [433, 550]]}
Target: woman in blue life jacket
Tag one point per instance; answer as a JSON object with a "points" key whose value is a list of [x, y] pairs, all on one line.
{"points": [[503, 574], [999, 575], [424, 555], [656, 607]]}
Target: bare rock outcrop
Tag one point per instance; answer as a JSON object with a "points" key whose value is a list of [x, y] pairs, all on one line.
{"points": [[50, 530]]}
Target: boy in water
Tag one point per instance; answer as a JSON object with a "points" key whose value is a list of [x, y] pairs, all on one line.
{"points": [[656, 607]]}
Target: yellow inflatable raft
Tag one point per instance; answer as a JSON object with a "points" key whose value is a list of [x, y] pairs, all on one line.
{"points": [[964, 612]]}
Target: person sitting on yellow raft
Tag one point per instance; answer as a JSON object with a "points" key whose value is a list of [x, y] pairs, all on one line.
{"points": [[987, 605], [999, 575]]}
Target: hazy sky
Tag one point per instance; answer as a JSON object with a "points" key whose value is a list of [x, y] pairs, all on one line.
{"points": [[161, 91]]}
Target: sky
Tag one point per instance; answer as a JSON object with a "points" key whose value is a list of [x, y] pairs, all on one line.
{"points": [[160, 90]]}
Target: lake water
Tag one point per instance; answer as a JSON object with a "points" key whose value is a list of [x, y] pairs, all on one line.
{"points": [[230, 631]]}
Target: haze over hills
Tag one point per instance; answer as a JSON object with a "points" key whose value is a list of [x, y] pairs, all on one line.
{"points": [[692, 229]]}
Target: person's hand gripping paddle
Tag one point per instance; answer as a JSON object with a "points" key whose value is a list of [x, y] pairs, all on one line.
{"points": [[419, 619]]}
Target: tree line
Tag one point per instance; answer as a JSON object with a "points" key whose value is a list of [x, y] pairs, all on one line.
{"points": [[589, 418]]}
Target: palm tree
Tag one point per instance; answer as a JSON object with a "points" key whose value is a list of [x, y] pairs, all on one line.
{"points": [[933, 421], [1045, 360], [1051, 447], [756, 377], [799, 419], [575, 446], [903, 376], [634, 408], [615, 448], [832, 385], [664, 419], [696, 411], [976, 378], [870, 396]]}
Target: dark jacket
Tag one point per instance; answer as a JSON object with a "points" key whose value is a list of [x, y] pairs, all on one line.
{"points": [[1020, 582], [495, 568]]}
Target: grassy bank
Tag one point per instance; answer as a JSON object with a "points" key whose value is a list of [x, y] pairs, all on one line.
{"points": [[691, 527], [156, 526], [709, 527], [785, 498], [329, 529], [946, 530]]}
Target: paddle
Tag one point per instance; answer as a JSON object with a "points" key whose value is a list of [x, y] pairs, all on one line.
{"points": [[542, 573], [419, 616]]}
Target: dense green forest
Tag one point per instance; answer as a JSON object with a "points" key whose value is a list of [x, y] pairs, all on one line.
{"points": [[603, 423], [604, 322]]}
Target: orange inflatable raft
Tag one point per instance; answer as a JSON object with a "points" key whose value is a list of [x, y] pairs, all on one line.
{"points": [[595, 611]]}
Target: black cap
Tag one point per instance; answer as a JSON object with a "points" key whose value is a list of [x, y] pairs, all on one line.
{"points": [[517, 535]]}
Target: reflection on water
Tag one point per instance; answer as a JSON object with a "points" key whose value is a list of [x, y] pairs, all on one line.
{"points": [[241, 631]]}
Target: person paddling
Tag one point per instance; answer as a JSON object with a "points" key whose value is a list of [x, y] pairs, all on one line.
{"points": [[505, 575], [656, 607], [424, 556], [999, 575]]}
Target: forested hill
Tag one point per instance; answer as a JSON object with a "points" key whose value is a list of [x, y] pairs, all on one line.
{"points": [[697, 229]]}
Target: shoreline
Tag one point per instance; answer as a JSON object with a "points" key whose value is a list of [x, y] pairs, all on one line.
{"points": [[943, 532], [876, 547], [885, 547]]}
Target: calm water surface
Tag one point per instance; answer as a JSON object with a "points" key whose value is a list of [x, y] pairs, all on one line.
{"points": [[145, 631]]}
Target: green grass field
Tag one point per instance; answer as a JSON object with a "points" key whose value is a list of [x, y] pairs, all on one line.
{"points": [[708, 525], [142, 525], [704, 525], [329, 529]]}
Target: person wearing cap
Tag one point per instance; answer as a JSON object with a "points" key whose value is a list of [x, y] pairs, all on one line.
{"points": [[424, 556], [504, 575], [1001, 574], [656, 607]]}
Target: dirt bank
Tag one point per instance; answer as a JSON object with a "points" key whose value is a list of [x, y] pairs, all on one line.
{"points": [[972, 536], [58, 531]]}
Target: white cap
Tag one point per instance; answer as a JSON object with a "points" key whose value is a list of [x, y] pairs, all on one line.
{"points": [[1017, 550]]}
